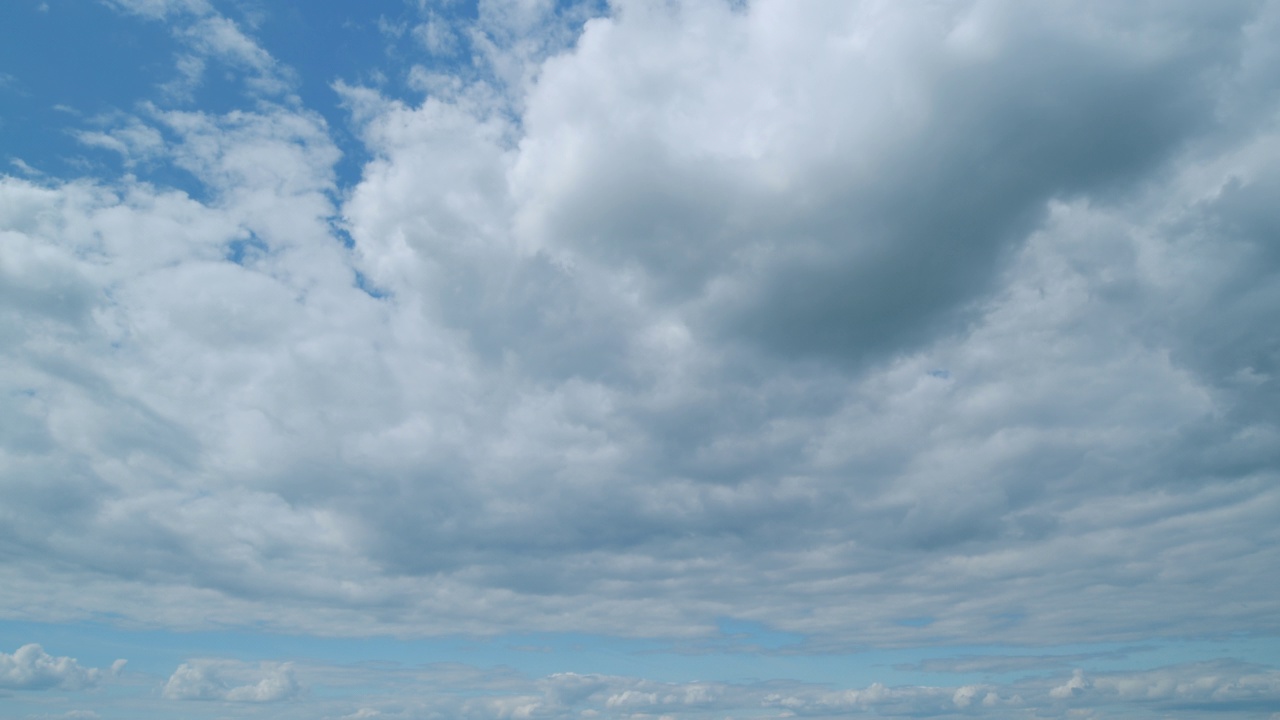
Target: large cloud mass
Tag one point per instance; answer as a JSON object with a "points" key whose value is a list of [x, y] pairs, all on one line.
{"points": [[846, 318]]}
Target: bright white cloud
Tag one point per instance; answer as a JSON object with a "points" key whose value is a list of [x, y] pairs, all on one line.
{"points": [[232, 682], [711, 310], [630, 342], [135, 142], [31, 668], [451, 690], [220, 38]]}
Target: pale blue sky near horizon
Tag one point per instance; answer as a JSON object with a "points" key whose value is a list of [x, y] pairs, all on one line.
{"points": [[743, 653]]}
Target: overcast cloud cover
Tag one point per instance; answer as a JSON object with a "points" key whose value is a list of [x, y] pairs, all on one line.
{"points": [[931, 343]]}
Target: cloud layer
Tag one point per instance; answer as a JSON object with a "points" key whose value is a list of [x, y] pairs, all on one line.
{"points": [[461, 691], [883, 324]]}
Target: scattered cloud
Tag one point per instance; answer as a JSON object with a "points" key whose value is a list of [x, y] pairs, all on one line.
{"points": [[134, 141], [161, 9], [31, 668], [893, 325], [437, 36], [232, 682], [24, 167], [629, 349], [453, 690], [220, 38], [449, 690], [212, 37]]}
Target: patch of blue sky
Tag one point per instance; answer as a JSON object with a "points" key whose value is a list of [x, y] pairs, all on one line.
{"points": [[157, 653], [376, 44], [327, 42], [81, 68], [1002, 663], [755, 634], [76, 67], [245, 250], [69, 68]]}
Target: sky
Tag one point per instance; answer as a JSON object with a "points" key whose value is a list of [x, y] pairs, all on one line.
{"points": [[639, 359]]}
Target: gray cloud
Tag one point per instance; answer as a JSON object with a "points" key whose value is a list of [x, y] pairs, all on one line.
{"points": [[895, 325], [849, 223]]}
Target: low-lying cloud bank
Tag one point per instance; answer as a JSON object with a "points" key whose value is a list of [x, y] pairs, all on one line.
{"points": [[1217, 689]]}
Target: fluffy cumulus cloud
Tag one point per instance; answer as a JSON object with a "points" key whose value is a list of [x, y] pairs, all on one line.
{"points": [[31, 668], [462, 691], [878, 323], [233, 682]]}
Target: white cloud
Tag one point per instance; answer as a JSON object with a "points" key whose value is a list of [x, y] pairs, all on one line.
{"points": [[31, 668], [437, 36], [453, 690], [697, 311], [719, 311], [220, 38], [134, 141], [160, 9], [233, 682], [212, 36], [1199, 684], [24, 168], [1071, 688], [385, 690]]}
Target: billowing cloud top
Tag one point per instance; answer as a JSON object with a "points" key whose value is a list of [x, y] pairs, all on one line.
{"points": [[876, 323], [31, 668], [212, 680]]}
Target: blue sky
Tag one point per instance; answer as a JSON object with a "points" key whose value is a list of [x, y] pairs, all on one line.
{"points": [[525, 359]]}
